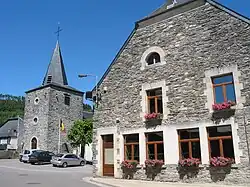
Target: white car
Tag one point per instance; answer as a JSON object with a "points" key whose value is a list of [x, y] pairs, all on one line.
{"points": [[26, 153], [67, 159]]}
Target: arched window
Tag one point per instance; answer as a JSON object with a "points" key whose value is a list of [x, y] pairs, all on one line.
{"points": [[153, 58], [34, 143], [153, 55]]}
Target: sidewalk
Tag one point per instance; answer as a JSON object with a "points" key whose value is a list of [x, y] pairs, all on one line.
{"points": [[110, 182]]}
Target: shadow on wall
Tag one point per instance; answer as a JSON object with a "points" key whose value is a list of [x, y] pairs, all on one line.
{"points": [[219, 173], [188, 172]]}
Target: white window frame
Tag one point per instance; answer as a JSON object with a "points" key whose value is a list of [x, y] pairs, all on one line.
{"points": [[220, 72], [144, 102]]}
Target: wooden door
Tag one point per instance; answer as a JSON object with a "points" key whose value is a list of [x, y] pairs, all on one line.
{"points": [[108, 155]]}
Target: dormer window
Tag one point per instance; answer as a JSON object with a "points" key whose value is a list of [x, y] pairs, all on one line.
{"points": [[49, 79], [153, 58]]}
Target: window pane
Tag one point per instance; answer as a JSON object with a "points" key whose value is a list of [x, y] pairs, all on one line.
{"points": [[228, 148], [136, 152], [184, 150], [160, 152], [158, 92], [223, 79], [128, 152], [153, 58], [189, 133], [108, 138], [109, 156], [151, 151], [196, 150], [150, 60], [184, 134], [219, 98], [230, 92], [215, 148], [131, 138], [220, 131], [152, 105], [156, 136], [155, 92], [159, 105]]}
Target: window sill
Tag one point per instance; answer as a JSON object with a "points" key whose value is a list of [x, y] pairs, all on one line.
{"points": [[153, 65]]}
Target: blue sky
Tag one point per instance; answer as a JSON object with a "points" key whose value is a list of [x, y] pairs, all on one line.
{"points": [[93, 32]]}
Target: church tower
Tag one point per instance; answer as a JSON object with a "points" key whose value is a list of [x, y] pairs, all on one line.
{"points": [[48, 106]]}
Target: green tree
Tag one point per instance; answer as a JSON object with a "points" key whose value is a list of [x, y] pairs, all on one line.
{"points": [[81, 134], [10, 106]]}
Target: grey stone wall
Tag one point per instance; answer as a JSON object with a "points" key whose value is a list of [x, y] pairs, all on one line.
{"points": [[40, 110], [204, 174], [58, 110], [194, 42], [50, 110]]}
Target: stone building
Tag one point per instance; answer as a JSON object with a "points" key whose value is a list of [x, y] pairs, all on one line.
{"points": [[182, 62], [49, 105]]}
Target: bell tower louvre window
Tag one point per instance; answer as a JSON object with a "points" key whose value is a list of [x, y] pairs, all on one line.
{"points": [[49, 79]]}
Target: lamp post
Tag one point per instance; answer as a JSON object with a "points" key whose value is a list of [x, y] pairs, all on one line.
{"points": [[96, 89]]}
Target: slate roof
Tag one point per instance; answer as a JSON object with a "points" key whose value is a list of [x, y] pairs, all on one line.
{"points": [[57, 72], [10, 127], [56, 68], [168, 5]]}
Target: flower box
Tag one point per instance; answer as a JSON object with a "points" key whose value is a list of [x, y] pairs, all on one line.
{"points": [[189, 162], [221, 162], [128, 168], [153, 167], [223, 106], [153, 116]]}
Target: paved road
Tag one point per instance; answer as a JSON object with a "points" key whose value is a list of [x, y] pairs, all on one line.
{"points": [[16, 174]]}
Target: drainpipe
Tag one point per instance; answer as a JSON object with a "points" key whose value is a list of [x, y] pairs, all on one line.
{"points": [[245, 127]]}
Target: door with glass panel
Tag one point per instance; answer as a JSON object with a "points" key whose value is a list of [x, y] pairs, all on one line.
{"points": [[108, 155]]}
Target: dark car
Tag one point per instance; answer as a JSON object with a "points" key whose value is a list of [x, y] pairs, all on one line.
{"points": [[41, 157]]}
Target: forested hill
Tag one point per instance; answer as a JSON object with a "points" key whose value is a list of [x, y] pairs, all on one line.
{"points": [[10, 106]]}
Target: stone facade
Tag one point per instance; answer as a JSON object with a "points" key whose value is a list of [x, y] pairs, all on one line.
{"points": [[194, 42], [49, 110]]}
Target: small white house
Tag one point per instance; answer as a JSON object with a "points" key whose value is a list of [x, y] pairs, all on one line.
{"points": [[10, 133]]}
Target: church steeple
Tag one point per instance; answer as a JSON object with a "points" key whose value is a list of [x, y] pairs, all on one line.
{"points": [[56, 72]]}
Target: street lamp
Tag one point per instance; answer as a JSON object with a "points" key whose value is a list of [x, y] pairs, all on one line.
{"points": [[96, 78]]}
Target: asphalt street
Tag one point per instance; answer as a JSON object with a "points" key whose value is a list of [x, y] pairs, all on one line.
{"points": [[16, 174]]}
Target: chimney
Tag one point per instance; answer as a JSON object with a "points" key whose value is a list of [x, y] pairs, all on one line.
{"points": [[171, 3]]}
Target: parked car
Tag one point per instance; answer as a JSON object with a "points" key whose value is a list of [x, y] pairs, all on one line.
{"points": [[26, 153], [40, 157], [67, 159]]}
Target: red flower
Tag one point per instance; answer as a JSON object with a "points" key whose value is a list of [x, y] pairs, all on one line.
{"points": [[189, 162], [221, 161], [153, 163], [128, 164], [152, 116], [222, 106]]}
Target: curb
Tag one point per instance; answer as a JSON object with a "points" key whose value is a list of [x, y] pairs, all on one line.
{"points": [[92, 181]]}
